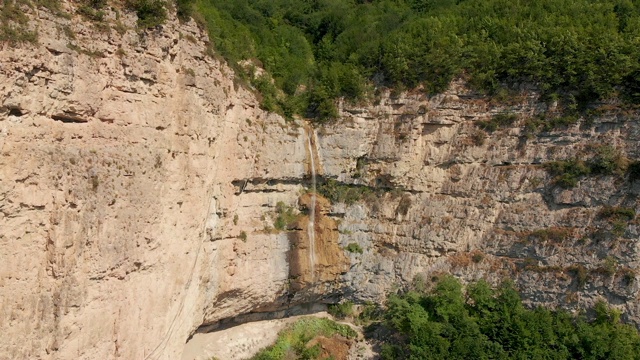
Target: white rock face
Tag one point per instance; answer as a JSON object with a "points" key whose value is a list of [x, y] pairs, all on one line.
{"points": [[139, 184]]}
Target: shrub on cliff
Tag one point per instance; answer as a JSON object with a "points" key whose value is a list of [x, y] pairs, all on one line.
{"points": [[605, 160], [13, 23], [567, 172], [184, 9], [150, 13]]}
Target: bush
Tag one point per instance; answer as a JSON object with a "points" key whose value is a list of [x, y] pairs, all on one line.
{"points": [[609, 266], [338, 192], [184, 9], [341, 310], [628, 276], [285, 216], [370, 312], [614, 213], [498, 121], [608, 161], [354, 248], [92, 9], [567, 172], [150, 13], [556, 235], [580, 273]]}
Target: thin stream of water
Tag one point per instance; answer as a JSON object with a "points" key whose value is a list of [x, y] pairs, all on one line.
{"points": [[311, 229]]}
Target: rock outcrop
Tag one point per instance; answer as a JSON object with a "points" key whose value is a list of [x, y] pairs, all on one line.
{"points": [[481, 204], [121, 223], [139, 184]]}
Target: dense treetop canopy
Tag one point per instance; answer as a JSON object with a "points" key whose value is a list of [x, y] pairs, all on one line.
{"points": [[318, 50], [487, 323]]}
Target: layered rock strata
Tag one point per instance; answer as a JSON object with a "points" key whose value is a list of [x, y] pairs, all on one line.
{"points": [[140, 184]]}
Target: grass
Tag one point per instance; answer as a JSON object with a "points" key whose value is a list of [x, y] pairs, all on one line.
{"points": [[291, 343]]}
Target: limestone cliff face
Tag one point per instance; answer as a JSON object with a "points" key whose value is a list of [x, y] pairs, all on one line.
{"points": [[121, 228], [485, 207], [140, 185]]}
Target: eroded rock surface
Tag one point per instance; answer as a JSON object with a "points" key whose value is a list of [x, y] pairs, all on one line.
{"points": [[316, 268], [139, 186], [121, 224], [481, 205]]}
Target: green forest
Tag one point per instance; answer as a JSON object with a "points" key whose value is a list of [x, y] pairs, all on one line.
{"points": [[577, 51], [481, 322], [315, 51]]}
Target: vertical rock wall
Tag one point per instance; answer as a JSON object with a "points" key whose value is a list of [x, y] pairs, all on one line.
{"points": [[480, 204], [139, 189], [122, 225]]}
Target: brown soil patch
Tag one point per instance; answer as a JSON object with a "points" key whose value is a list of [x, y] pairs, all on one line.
{"points": [[336, 347]]}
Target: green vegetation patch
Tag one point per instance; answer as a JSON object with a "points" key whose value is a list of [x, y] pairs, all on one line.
{"points": [[481, 322], [92, 9], [580, 273], [498, 121], [285, 216], [544, 123], [555, 235], [292, 342], [184, 9], [315, 51], [150, 13], [341, 310], [606, 160], [14, 22], [617, 213], [354, 248], [566, 173], [338, 192]]}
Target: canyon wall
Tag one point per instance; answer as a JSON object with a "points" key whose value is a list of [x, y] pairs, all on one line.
{"points": [[481, 204], [141, 187], [121, 230]]}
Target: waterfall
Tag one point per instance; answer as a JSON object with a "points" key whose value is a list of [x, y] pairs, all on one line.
{"points": [[311, 228]]}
